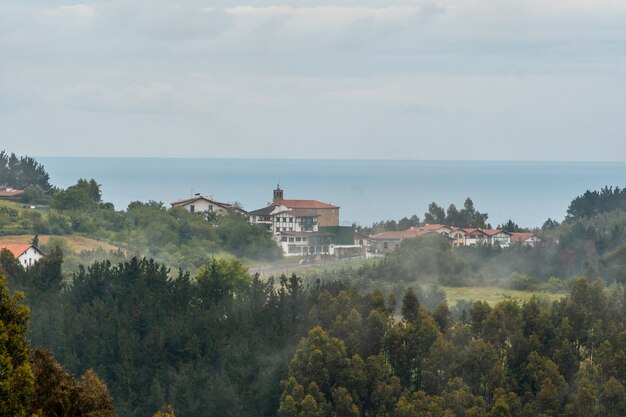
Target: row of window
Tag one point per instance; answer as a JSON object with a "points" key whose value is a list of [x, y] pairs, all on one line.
{"points": [[307, 249], [293, 239]]}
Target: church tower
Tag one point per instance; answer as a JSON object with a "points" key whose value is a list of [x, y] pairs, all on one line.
{"points": [[278, 193]]}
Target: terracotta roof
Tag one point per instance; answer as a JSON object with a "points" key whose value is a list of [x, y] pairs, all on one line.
{"points": [[434, 226], [16, 249], [521, 236], [398, 234], [491, 232], [303, 204], [10, 192]]}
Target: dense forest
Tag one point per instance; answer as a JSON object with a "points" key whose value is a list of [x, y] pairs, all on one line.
{"points": [[225, 343]]}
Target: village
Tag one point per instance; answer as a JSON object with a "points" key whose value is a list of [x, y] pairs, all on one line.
{"points": [[312, 227]]}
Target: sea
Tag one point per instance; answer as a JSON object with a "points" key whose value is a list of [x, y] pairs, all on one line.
{"points": [[366, 190]]}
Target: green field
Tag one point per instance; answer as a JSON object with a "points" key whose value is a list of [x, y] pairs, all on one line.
{"points": [[494, 295]]}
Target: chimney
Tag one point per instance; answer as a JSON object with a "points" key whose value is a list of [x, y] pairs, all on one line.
{"points": [[278, 193]]}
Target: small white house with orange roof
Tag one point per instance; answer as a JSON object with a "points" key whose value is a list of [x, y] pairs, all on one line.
{"points": [[525, 239], [26, 253]]}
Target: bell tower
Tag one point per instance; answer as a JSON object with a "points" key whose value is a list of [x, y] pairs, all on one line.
{"points": [[278, 193]]}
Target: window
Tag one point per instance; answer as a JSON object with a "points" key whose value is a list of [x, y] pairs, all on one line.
{"points": [[192, 208], [385, 245], [291, 239], [284, 239], [210, 208]]}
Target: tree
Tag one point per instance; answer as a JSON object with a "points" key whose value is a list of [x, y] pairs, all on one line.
{"points": [[58, 393], [435, 214], [511, 227], [16, 377], [410, 306], [471, 217]]}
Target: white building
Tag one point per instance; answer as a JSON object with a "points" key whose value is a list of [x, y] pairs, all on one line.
{"points": [[26, 253], [498, 237], [305, 243], [525, 239], [283, 219], [201, 204]]}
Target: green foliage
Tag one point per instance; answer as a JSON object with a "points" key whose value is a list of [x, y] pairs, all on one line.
{"points": [[592, 203], [468, 216], [16, 378], [57, 393], [22, 172]]}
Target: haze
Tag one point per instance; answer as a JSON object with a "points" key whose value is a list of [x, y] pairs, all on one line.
{"points": [[449, 79]]}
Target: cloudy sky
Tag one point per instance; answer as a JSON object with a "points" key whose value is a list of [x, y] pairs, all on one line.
{"points": [[411, 79]]}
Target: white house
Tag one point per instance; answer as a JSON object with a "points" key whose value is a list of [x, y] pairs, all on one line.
{"points": [[26, 253], [475, 237], [525, 239], [305, 243], [201, 204], [499, 237]]}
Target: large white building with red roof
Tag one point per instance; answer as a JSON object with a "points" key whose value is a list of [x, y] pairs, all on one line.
{"points": [[295, 223], [26, 253]]}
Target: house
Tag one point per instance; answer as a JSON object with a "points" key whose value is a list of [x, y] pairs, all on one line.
{"points": [[201, 204], [458, 235], [389, 241], [295, 224], [475, 237], [525, 239], [9, 193], [283, 219], [26, 253], [305, 243], [498, 237]]}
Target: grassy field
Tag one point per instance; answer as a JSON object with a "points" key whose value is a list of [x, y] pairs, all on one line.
{"points": [[493, 295], [288, 266], [75, 243]]}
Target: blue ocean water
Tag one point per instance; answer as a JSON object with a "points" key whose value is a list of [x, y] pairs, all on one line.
{"points": [[366, 190]]}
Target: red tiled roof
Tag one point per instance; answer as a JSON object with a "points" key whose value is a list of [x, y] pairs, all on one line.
{"points": [[16, 249], [491, 232], [521, 236], [10, 192], [434, 226], [398, 234], [304, 204]]}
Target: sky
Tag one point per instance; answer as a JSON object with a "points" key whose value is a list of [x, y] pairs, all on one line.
{"points": [[369, 79]]}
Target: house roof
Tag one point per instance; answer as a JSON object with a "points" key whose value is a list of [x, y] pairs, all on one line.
{"points": [[262, 212], [184, 202], [304, 213], [397, 234], [434, 227], [521, 236], [303, 204], [10, 192], [18, 249], [491, 232]]}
